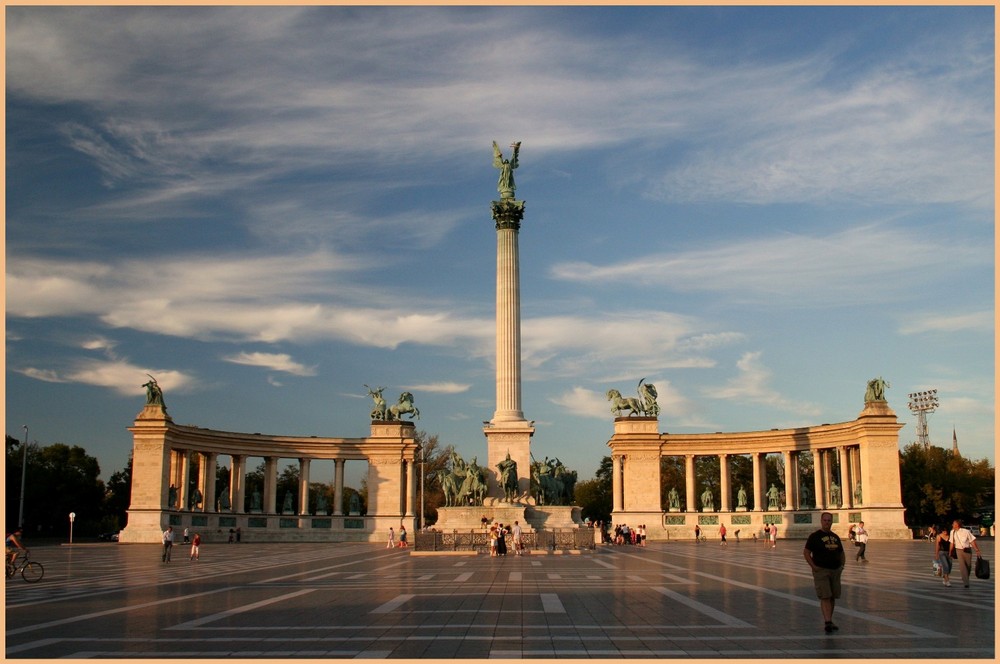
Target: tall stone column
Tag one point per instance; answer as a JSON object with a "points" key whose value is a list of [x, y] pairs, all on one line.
{"points": [[338, 487], [820, 471], [508, 432], [184, 488], [270, 485], [845, 478], [689, 484], [724, 488], [411, 488], [210, 461], [237, 483], [758, 481], [789, 481], [616, 484], [304, 486]]}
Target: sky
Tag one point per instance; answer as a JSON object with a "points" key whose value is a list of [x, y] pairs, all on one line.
{"points": [[756, 209]]}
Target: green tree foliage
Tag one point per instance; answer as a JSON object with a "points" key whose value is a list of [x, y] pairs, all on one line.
{"points": [[435, 459], [59, 479], [594, 496], [117, 498], [939, 486]]}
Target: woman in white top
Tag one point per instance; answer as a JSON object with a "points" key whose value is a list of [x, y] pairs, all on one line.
{"points": [[861, 538], [963, 542]]}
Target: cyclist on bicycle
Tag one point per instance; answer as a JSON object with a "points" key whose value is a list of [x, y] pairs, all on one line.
{"points": [[13, 545]]}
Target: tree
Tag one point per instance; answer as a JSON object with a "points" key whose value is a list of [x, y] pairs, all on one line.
{"points": [[435, 459], [594, 496], [59, 479], [939, 486], [117, 498]]}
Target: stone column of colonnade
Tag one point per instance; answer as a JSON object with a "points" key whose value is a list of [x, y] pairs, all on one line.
{"points": [[210, 462], [689, 487], [617, 490], [724, 488], [237, 483], [791, 481], [303, 485], [338, 487], [270, 505], [756, 464]]}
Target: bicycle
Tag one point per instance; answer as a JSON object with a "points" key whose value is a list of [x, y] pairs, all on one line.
{"points": [[31, 572]]}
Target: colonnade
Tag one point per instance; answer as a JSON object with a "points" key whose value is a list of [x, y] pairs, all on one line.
{"points": [[855, 476], [163, 487], [836, 482]]}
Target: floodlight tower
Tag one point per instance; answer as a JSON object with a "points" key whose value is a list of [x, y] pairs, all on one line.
{"points": [[922, 403]]}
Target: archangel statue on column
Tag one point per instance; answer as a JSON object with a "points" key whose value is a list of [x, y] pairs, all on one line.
{"points": [[505, 185]]}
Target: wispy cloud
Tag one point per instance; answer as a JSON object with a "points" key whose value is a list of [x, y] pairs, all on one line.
{"points": [[976, 321], [118, 375], [274, 361], [837, 268], [440, 388]]}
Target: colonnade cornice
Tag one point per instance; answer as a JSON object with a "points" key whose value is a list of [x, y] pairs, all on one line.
{"points": [[824, 436], [211, 441]]}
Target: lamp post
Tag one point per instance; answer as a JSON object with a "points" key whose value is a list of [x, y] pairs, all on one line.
{"points": [[24, 468], [423, 471], [920, 404]]}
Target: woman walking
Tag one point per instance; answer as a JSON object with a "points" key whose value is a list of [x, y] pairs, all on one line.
{"points": [[942, 544], [861, 539], [392, 539]]}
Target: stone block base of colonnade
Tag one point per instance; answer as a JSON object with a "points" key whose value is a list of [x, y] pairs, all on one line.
{"points": [[530, 517], [147, 526], [882, 523]]}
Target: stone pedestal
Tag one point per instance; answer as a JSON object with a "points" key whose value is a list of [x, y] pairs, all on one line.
{"points": [[503, 438]]}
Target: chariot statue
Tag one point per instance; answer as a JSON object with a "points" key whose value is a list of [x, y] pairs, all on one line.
{"points": [[645, 404], [378, 411], [402, 406]]}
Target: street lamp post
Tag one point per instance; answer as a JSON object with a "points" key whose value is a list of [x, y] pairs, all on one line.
{"points": [[24, 468], [423, 471]]}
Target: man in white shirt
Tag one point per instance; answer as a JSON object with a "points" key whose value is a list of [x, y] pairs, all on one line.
{"points": [[168, 543], [963, 541], [516, 532]]}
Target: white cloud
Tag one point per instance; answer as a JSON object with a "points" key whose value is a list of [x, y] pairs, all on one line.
{"points": [[583, 403], [118, 375], [440, 388], [753, 385], [46, 375], [274, 361]]}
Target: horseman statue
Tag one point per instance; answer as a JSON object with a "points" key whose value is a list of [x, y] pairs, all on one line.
{"points": [[462, 483], [508, 478], [552, 483]]}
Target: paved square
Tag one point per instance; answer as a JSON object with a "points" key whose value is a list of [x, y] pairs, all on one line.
{"points": [[674, 599]]}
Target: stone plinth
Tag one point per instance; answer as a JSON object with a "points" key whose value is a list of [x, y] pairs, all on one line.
{"points": [[505, 438], [471, 518]]}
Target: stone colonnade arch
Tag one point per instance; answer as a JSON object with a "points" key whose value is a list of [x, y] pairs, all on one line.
{"points": [[865, 452], [162, 456]]}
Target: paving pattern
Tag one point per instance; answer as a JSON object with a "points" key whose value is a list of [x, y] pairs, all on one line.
{"points": [[674, 599]]}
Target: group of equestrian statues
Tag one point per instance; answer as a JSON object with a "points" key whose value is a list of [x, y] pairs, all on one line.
{"points": [[465, 484]]}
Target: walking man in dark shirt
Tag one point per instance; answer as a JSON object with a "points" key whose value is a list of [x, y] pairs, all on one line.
{"points": [[825, 554]]}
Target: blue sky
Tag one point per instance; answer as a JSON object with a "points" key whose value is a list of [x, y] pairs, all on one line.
{"points": [[756, 209]]}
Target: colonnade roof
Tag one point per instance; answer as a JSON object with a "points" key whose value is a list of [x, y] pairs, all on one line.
{"points": [[395, 441]]}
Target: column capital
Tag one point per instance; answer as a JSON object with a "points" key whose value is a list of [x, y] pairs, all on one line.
{"points": [[508, 213]]}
